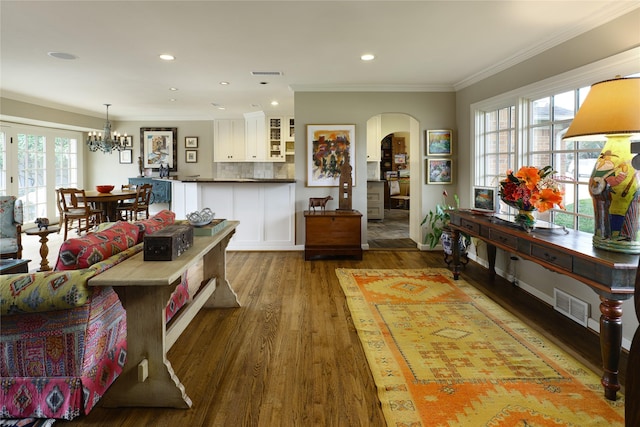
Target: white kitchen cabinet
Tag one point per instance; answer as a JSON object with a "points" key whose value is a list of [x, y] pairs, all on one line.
{"points": [[229, 140], [275, 142], [255, 137], [374, 129]]}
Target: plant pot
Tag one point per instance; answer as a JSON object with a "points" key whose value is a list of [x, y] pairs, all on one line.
{"points": [[447, 246]]}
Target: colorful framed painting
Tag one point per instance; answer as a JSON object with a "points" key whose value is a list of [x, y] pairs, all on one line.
{"points": [[439, 142], [191, 156], [484, 199], [191, 142], [328, 147], [126, 156], [439, 171], [158, 146]]}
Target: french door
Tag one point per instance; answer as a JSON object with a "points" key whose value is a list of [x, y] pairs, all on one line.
{"points": [[34, 161]]}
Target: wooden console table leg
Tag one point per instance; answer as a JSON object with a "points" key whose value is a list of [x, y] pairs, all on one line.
{"points": [[215, 265], [456, 254], [610, 344], [146, 331], [491, 258]]}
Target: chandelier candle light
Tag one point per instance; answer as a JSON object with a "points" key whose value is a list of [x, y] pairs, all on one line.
{"points": [[110, 142], [611, 112], [529, 190]]}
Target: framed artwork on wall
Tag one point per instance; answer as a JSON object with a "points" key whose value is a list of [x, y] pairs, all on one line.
{"points": [[439, 142], [191, 156], [484, 199], [328, 146], [439, 171], [126, 156], [159, 146], [191, 142], [128, 141]]}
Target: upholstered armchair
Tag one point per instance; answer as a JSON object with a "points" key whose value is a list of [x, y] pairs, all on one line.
{"points": [[10, 227]]}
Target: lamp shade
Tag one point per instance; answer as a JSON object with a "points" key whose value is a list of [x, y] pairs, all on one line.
{"points": [[612, 107]]}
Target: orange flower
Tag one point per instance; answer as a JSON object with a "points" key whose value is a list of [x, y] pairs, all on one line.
{"points": [[529, 175], [546, 198]]}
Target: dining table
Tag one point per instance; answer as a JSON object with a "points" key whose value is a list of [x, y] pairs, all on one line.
{"points": [[108, 202]]}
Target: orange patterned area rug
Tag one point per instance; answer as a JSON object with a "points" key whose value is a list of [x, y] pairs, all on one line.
{"points": [[443, 354]]}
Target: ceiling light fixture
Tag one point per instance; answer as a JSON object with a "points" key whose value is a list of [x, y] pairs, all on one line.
{"points": [[110, 142], [368, 57], [167, 57], [224, 83], [274, 103], [173, 89], [62, 55]]}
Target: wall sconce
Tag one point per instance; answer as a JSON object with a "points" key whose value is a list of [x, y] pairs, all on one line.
{"points": [[611, 112]]}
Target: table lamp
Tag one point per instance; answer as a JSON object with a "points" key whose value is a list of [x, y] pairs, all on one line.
{"points": [[611, 111]]}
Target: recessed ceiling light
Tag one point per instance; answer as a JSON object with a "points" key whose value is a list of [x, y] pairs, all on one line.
{"points": [[218, 106], [61, 55], [224, 83], [167, 57], [368, 57], [173, 89], [274, 103], [264, 83], [172, 100]]}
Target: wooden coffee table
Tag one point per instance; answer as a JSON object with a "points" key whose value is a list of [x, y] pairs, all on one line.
{"points": [[12, 266]]}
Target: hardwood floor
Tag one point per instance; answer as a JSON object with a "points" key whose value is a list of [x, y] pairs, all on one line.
{"points": [[290, 356]]}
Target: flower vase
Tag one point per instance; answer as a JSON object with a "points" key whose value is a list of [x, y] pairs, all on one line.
{"points": [[526, 219]]}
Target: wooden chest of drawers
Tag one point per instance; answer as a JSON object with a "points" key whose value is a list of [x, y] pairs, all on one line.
{"points": [[331, 233]]}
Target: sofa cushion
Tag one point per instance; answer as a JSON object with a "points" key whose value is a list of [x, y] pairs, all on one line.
{"points": [[53, 290], [85, 251], [157, 222]]}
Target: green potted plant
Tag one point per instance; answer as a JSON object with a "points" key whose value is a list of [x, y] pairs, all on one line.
{"points": [[437, 222]]}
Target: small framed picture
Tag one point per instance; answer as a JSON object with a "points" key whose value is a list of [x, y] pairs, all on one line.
{"points": [[126, 156], [191, 156], [191, 142], [484, 199], [439, 171], [438, 142], [128, 141]]}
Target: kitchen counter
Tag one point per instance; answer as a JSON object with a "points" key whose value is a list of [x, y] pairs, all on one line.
{"points": [[264, 207], [237, 180]]}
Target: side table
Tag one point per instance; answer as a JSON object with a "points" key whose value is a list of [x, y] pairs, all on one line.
{"points": [[44, 248], [331, 233], [13, 266]]}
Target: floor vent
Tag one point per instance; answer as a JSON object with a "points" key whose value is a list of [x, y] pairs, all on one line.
{"points": [[570, 306]]}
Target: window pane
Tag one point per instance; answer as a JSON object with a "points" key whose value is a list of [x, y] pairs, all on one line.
{"points": [[563, 106], [540, 111]]}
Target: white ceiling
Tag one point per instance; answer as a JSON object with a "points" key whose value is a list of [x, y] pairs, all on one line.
{"points": [[316, 45]]}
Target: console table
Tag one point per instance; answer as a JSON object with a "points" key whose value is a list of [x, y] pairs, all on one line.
{"points": [[611, 275], [332, 233], [144, 287]]}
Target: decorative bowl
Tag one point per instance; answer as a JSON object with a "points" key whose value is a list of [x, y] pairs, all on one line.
{"points": [[104, 188], [200, 219]]}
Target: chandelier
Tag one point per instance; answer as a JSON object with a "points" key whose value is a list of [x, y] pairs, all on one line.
{"points": [[110, 142]]}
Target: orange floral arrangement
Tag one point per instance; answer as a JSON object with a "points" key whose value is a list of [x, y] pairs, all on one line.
{"points": [[531, 189]]}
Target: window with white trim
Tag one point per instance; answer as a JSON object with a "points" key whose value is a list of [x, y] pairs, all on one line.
{"points": [[525, 128]]}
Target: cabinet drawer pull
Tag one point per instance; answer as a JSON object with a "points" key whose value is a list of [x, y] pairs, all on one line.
{"points": [[469, 227], [549, 257]]}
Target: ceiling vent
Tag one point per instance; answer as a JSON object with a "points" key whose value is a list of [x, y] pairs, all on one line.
{"points": [[266, 73]]}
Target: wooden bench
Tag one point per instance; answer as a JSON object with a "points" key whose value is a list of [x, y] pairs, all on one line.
{"points": [[148, 380]]}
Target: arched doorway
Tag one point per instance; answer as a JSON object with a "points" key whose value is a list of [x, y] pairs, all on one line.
{"points": [[399, 144]]}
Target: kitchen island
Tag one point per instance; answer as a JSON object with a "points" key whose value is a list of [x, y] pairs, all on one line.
{"points": [[264, 207]]}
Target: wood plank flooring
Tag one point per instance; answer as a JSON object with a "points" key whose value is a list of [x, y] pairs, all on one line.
{"points": [[290, 356]]}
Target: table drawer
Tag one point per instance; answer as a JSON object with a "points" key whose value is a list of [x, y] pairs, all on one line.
{"points": [[552, 256], [503, 239], [470, 227]]}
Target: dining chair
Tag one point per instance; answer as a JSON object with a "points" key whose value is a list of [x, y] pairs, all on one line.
{"points": [[74, 207], [140, 203], [124, 205]]}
